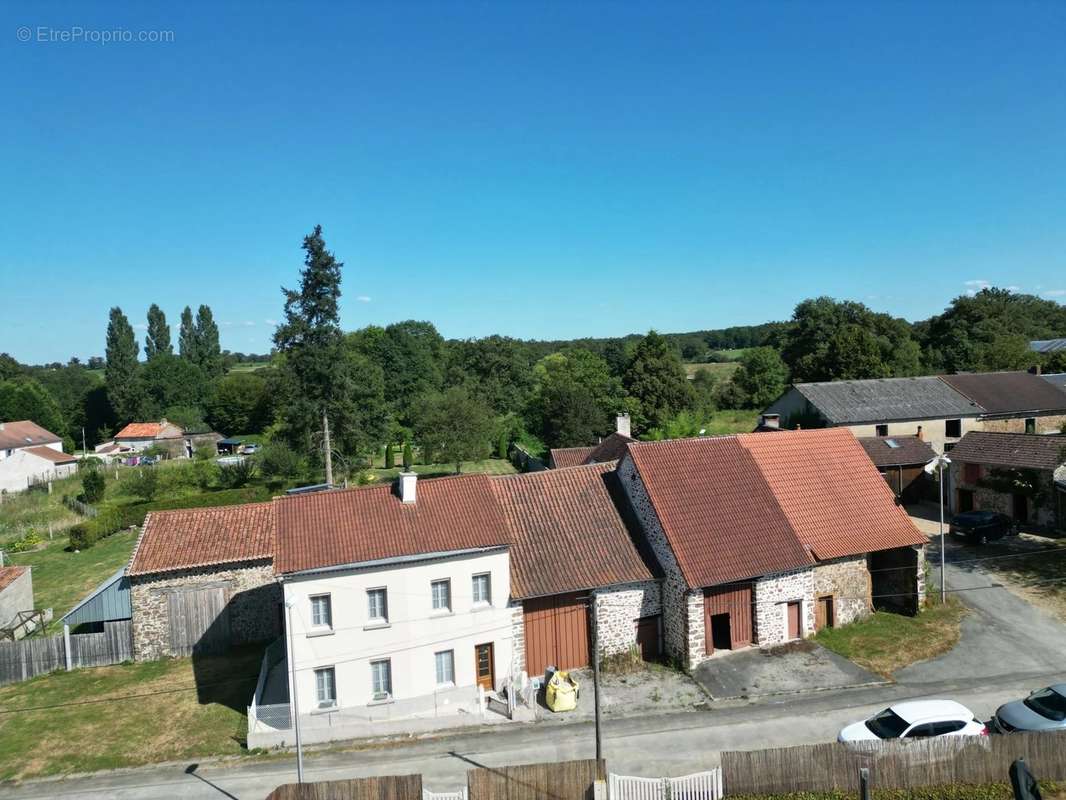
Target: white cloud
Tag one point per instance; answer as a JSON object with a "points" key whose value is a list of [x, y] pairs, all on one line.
{"points": [[271, 321], [1054, 293], [249, 323], [140, 326], [363, 298], [976, 285]]}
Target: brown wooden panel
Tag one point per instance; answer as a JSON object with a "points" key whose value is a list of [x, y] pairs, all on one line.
{"points": [[648, 637], [793, 620], [824, 612], [556, 633], [734, 600]]}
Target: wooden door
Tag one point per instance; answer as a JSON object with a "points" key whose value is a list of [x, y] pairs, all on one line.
{"points": [[648, 637], [794, 620], [556, 633], [199, 621], [1021, 508], [485, 667], [734, 600], [823, 612]]}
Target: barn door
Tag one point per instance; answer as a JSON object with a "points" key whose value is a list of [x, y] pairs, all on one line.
{"points": [[199, 621]]}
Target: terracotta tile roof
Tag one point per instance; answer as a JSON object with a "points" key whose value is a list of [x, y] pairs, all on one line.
{"points": [[197, 537], [908, 450], [563, 457], [140, 430], [834, 498], [735, 507], [720, 517], [611, 448], [567, 531], [1008, 392], [351, 526], [24, 433], [1019, 450], [8, 575], [55, 456]]}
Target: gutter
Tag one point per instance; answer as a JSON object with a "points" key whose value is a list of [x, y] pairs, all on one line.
{"points": [[392, 561]]}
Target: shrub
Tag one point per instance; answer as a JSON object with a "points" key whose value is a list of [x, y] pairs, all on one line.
{"points": [[278, 460], [390, 457], [502, 445], [144, 483], [93, 484], [408, 458], [205, 452], [234, 476]]}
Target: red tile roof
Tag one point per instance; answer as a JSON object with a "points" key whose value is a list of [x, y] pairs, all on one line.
{"points": [[567, 531], [352, 526], [563, 457], [720, 517], [55, 456], [737, 507], [24, 433], [198, 537], [8, 575], [149, 430], [833, 496]]}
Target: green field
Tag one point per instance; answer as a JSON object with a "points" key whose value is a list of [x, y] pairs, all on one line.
{"points": [[731, 421], [722, 370], [489, 466], [248, 366]]}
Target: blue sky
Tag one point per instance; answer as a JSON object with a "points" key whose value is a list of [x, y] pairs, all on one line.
{"points": [[541, 170]]}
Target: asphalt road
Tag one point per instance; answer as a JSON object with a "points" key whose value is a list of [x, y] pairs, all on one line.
{"points": [[1008, 648]]}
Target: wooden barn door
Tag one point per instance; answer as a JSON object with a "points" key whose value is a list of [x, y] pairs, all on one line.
{"points": [[556, 633], [199, 620], [727, 617]]}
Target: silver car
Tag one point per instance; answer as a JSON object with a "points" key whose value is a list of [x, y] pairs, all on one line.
{"points": [[1043, 710]]}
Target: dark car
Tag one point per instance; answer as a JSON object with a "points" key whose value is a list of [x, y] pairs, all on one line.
{"points": [[981, 527]]}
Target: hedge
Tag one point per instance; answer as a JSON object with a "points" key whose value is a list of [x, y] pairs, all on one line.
{"points": [[958, 791], [115, 518]]}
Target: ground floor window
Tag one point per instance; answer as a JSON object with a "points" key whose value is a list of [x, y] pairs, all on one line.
{"points": [[445, 662], [326, 687], [381, 679]]}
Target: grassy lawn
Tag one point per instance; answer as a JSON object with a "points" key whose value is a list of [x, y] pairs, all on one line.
{"points": [[885, 642], [140, 713], [61, 578], [731, 421], [37, 510], [722, 370], [490, 466]]}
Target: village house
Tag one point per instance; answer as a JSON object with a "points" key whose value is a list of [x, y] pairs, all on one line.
{"points": [[29, 454], [765, 538], [1017, 474], [944, 407], [609, 449], [177, 442]]}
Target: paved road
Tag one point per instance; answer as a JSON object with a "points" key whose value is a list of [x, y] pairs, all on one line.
{"points": [[1008, 648]]}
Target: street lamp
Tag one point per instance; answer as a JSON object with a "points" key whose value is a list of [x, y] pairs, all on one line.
{"points": [[937, 465], [292, 693]]}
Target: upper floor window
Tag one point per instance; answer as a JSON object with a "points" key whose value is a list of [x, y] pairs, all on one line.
{"points": [[482, 586], [442, 595], [321, 611], [1030, 424], [377, 605], [326, 687], [882, 430], [953, 428]]}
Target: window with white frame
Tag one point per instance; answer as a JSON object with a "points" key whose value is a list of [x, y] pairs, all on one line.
{"points": [[442, 595], [445, 667], [326, 687], [377, 603], [482, 589], [321, 611], [381, 679]]}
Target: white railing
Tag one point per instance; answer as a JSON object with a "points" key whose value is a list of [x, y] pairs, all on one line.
{"points": [[699, 786], [459, 795]]}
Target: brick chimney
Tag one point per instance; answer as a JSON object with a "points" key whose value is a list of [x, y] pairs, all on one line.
{"points": [[622, 425], [408, 487], [770, 421]]}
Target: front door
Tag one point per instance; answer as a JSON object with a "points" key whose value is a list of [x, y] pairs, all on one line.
{"points": [[823, 612], [794, 620], [485, 666], [1021, 508], [965, 500]]}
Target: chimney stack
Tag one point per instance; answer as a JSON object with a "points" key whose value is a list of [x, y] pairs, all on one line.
{"points": [[919, 434], [408, 487], [770, 421], [622, 425]]}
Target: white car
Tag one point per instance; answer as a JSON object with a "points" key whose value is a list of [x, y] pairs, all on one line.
{"points": [[916, 719]]}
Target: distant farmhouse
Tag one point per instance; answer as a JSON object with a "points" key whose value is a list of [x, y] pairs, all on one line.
{"points": [[940, 409], [1047, 345], [137, 437], [30, 454]]}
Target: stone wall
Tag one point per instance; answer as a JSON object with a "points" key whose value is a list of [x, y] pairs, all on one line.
{"points": [[617, 610], [518, 639], [677, 620], [252, 599], [16, 597], [1047, 423], [1041, 510], [695, 624], [772, 594], [897, 578], [848, 580]]}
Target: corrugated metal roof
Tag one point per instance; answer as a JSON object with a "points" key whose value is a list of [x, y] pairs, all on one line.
{"points": [[1047, 345], [108, 601], [886, 400], [1058, 380]]}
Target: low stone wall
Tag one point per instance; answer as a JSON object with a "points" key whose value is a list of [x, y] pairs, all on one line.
{"points": [[772, 594], [1048, 423], [617, 610], [848, 581], [252, 599]]}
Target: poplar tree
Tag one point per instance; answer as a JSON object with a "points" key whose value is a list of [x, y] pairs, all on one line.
{"points": [[157, 339], [187, 337], [120, 371], [208, 351]]}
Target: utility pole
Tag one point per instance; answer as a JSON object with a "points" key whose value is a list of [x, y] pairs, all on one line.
{"points": [[84, 449], [937, 465], [293, 694], [328, 449], [596, 675]]}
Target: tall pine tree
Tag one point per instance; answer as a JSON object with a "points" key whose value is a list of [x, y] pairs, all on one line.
{"points": [[157, 340], [120, 372], [208, 351], [187, 337]]}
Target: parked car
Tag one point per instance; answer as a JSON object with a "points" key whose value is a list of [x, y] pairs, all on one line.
{"points": [[916, 719], [250, 449], [1043, 710], [982, 527]]}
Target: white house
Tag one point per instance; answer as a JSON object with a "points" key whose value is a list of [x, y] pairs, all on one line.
{"points": [[29, 454]]}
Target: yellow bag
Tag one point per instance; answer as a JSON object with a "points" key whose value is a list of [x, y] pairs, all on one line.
{"points": [[561, 693]]}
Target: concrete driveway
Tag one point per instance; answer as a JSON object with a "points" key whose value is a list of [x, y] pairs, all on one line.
{"points": [[797, 667], [1003, 635]]}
